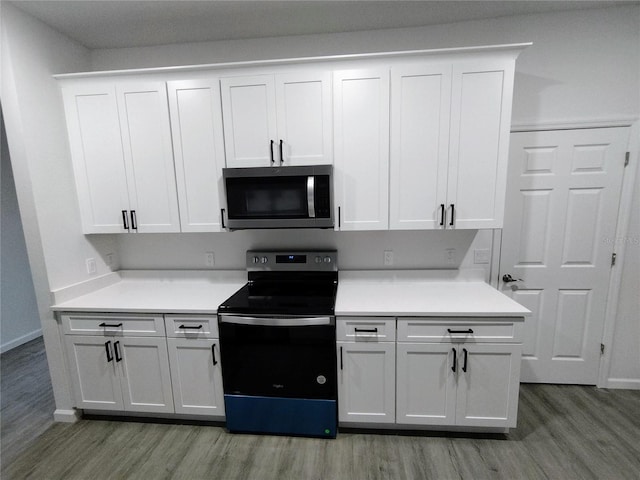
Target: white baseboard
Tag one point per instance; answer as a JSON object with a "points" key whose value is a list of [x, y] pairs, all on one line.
{"points": [[66, 416], [16, 342], [623, 383]]}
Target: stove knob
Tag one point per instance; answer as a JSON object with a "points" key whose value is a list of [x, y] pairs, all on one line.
{"points": [[327, 259], [318, 259], [256, 259], [264, 260]]}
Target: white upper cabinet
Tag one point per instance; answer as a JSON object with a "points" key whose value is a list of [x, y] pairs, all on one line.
{"points": [[98, 160], [277, 120], [419, 145], [479, 143], [123, 158], [196, 126], [361, 133], [449, 144]]}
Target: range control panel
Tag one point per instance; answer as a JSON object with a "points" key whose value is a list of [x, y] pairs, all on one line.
{"points": [[312, 260]]}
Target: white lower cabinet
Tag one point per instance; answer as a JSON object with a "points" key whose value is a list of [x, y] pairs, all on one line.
{"points": [[196, 376], [366, 382], [465, 384], [120, 373]]}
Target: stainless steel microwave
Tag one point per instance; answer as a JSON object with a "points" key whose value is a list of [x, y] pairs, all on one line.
{"points": [[279, 197]]}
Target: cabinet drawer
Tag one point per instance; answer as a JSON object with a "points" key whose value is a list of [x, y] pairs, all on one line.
{"points": [[366, 329], [139, 325], [459, 330], [191, 326]]}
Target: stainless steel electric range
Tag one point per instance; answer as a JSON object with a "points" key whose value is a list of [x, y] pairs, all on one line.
{"points": [[278, 345]]}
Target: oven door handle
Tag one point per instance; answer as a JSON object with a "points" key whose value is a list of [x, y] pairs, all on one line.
{"points": [[277, 321]]}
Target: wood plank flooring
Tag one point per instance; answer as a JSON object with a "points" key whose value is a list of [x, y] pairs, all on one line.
{"points": [[564, 432]]}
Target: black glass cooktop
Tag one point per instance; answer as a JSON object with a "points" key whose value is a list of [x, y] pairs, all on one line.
{"points": [[302, 293]]}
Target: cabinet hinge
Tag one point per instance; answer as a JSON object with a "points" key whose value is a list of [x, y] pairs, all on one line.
{"points": [[626, 158], [613, 259], [602, 349]]}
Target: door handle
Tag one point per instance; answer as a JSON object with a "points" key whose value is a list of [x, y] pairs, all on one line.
{"points": [[311, 195], [442, 214], [464, 364], [281, 154], [341, 362], [453, 214], [107, 347], [453, 367], [271, 152], [134, 220], [222, 210], [213, 354], [507, 278], [125, 223], [117, 351]]}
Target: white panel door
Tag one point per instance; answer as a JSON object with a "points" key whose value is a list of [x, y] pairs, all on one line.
{"points": [[144, 372], [361, 134], [196, 376], [479, 144], [488, 385], [93, 374], [426, 384], [146, 136], [98, 159], [560, 221], [420, 105], [366, 382], [249, 117], [303, 102], [198, 142]]}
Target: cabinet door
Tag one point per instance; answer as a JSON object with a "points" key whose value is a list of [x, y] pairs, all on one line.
{"points": [[420, 106], [303, 102], [196, 376], [426, 384], [479, 145], [366, 382], [361, 133], [144, 372], [93, 374], [196, 126], [98, 160], [249, 117], [488, 389], [146, 137]]}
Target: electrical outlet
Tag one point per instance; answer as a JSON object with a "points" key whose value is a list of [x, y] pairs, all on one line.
{"points": [[209, 259], [108, 259], [481, 256], [388, 257], [91, 266], [450, 256]]}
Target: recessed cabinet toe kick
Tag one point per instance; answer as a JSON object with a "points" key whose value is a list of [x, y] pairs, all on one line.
{"points": [[438, 373]]}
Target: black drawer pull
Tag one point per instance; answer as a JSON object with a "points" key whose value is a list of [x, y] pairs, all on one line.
{"points": [[460, 331], [366, 330], [188, 327], [107, 325]]}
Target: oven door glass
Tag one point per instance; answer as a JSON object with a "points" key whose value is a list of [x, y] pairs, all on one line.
{"points": [[279, 361], [254, 198]]}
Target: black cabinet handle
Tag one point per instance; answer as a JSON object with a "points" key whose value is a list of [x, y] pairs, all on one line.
{"points": [[281, 155], [110, 325], [134, 221], [188, 327], [460, 331], [222, 211], [339, 218], [341, 363], [125, 223], [453, 367], [107, 347], [366, 330], [213, 354], [271, 152], [453, 214], [115, 349], [441, 214], [466, 355]]}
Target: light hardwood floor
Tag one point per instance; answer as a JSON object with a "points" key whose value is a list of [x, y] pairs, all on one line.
{"points": [[564, 432]]}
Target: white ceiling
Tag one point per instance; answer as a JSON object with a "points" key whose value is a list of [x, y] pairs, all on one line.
{"points": [[132, 23]]}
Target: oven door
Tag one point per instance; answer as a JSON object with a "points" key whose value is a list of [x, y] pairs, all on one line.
{"points": [[279, 374]]}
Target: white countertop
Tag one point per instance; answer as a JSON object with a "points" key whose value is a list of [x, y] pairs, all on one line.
{"points": [[447, 293], [442, 293], [160, 292]]}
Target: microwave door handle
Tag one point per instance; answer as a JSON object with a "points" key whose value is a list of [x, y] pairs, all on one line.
{"points": [[311, 194]]}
